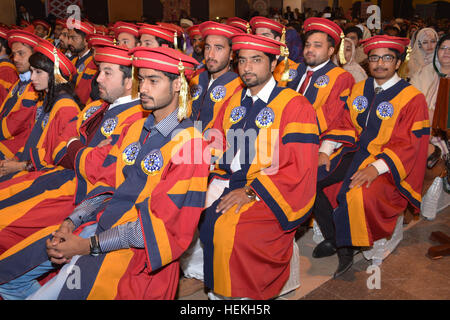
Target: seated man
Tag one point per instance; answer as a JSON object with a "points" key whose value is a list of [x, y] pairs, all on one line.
{"points": [[151, 218], [381, 168], [261, 187]]}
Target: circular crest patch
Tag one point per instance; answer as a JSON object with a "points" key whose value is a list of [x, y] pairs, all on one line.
{"points": [[196, 91], [89, 112], [322, 81], [360, 104], [152, 163], [218, 93], [385, 110], [45, 120], [265, 118], [292, 74], [131, 152], [237, 114], [109, 125], [81, 68]]}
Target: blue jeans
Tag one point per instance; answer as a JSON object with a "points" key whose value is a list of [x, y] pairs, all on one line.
{"points": [[26, 285]]}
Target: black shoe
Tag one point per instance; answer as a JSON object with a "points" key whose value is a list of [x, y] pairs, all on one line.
{"points": [[345, 256], [324, 249]]}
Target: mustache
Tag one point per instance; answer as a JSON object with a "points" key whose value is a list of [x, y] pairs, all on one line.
{"points": [[144, 96], [380, 69], [210, 59], [249, 74]]}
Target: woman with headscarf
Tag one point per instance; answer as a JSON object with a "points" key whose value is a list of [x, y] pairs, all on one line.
{"points": [[351, 66], [434, 82], [422, 50]]}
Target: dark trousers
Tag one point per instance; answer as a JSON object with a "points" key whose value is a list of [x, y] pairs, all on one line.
{"points": [[323, 211]]}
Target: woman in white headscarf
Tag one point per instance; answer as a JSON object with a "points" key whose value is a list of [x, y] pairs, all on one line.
{"points": [[351, 66], [422, 50]]}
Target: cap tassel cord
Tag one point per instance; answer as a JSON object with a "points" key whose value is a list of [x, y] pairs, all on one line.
{"points": [[57, 74], [284, 51], [135, 82], [175, 41], [404, 68], [183, 100], [341, 50]]}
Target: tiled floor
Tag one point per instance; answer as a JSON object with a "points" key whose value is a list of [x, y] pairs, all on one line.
{"points": [[407, 273]]}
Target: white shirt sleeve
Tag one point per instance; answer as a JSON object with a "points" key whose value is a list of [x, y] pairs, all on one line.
{"points": [[329, 146], [381, 166]]}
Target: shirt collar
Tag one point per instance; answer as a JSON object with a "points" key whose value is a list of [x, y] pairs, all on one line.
{"points": [[85, 54], [165, 126], [391, 82], [264, 93], [120, 101], [26, 76], [320, 66]]}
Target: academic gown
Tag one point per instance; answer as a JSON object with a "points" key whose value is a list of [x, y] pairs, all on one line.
{"points": [[36, 204], [87, 69], [207, 102], [8, 76], [17, 115], [165, 194], [393, 126], [247, 254], [328, 86]]}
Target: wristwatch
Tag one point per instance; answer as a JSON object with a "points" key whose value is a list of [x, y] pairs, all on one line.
{"points": [[94, 246], [250, 193]]}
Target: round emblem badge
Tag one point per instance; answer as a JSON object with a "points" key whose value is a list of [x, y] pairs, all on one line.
{"points": [[38, 113], [89, 112], [385, 110], [196, 91], [81, 68], [237, 114], [265, 118], [218, 93], [45, 120], [152, 162], [322, 81], [292, 74], [108, 126], [130, 153], [360, 104]]}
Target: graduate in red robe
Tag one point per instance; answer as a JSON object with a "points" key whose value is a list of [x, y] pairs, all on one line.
{"points": [[18, 110], [385, 132], [262, 179], [57, 106], [8, 72], [159, 198], [33, 205]]}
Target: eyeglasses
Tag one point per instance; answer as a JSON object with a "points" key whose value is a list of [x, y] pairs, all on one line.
{"points": [[445, 49], [385, 58]]}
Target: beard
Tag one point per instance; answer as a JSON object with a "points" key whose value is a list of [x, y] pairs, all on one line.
{"points": [[219, 67]]}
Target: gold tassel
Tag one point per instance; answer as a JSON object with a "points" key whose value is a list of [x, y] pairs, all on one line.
{"points": [[183, 100], [342, 50], [115, 42], [134, 81], [249, 29], [284, 52], [184, 43], [56, 72], [175, 41], [404, 67]]}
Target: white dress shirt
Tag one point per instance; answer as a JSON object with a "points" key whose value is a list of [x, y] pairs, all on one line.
{"points": [[308, 68]]}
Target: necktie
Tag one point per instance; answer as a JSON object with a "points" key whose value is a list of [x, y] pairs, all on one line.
{"points": [[378, 90], [305, 83]]}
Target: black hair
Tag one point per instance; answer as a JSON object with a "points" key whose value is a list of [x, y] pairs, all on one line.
{"points": [[397, 54], [162, 42], [329, 38], [4, 44], [81, 33], [230, 42], [171, 76], [275, 34], [272, 57], [389, 27], [40, 61], [126, 70], [355, 30]]}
